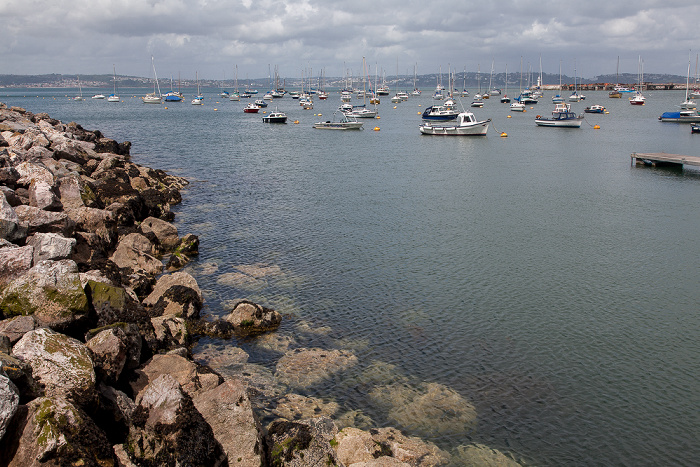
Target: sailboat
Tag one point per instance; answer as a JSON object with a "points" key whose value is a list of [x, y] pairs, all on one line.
{"points": [[477, 102], [557, 99], [493, 90], [235, 95], [113, 97], [695, 93], [487, 94], [519, 106], [199, 98], [362, 111], [638, 98], [505, 99], [416, 91], [464, 92], [688, 113], [79, 97], [153, 98], [173, 96], [396, 98], [574, 97]]}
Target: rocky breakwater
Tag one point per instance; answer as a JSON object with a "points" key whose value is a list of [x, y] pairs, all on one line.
{"points": [[97, 323]]}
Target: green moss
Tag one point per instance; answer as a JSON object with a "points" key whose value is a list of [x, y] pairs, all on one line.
{"points": [[16, 300], [87, 195], [333, 443], [246, 323]]}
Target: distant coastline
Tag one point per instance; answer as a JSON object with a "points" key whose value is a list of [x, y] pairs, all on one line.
{"points": [[426, 81]]}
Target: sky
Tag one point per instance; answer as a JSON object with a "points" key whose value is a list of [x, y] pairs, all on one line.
{"points": [[214, 37]]}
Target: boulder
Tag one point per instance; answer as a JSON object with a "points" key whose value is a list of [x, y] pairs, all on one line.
{"points": [[15, 262], [302, 368], [474, 455], [411, 450], [167, 429], [74, 192], [42, 196], [251, 318], [50, 291], [130, 336], [97, 221], [298, 407], [10, 223], [178, 301], [114, 305], [9, 176], [228, 410], [429, 409], [114, 413], [187, 247], [51, 246], [302, 443], [192, 378], [168, 280], [11, 196], [53, 431], [15, 328], [37, 220], [109, 351], [134, 252], [9, 401], [30, 172], [164, 231], [171, 332], [60, 363], [20, 373]]}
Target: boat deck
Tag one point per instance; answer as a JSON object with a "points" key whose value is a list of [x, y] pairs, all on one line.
{"points": [[658, 159]]}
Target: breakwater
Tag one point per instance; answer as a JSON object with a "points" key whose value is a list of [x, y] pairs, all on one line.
{"points": [[99, 321]]}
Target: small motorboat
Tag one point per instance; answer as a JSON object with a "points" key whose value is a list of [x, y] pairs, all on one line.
{"points": [[275, 117], [98, 96], [517, 107], [695, 128], [261, 103], [562, 117], [440, 112], [343, 122], [637, 99], [595, 109], [251, 108], [465, 125]]}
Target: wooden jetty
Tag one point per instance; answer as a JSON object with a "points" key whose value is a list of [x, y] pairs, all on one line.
{"points": [[661, 159]]}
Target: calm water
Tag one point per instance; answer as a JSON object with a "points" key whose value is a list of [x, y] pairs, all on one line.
{"points": [[540, 275]]}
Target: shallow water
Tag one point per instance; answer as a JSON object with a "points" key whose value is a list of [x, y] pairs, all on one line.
{"points": [[540, 276]]}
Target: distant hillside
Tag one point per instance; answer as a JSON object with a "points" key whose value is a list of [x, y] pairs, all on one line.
{"points": [[428, 81]]}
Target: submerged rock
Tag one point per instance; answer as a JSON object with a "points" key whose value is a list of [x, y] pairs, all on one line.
{"points": [[302, 443], [251, 318], [478, 455], [302, 368]]}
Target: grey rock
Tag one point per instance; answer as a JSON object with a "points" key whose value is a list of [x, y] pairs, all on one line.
{"points": [[9, 401], [38, 220], [15, 328], [135, 252], [10, 223], [14, 263], [164, 231], [302, 443], [51, 246], [109, 352]]}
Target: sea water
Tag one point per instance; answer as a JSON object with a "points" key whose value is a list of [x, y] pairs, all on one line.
{"points": [[540, 276]]}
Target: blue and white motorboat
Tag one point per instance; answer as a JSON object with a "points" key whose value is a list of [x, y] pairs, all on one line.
{"points": [[562, 117]]}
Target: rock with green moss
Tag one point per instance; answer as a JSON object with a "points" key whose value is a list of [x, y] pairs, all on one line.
{"points": [[251, 318], [63, 365], [51, 291], [167, 429], [56, 432], [302, 443]]}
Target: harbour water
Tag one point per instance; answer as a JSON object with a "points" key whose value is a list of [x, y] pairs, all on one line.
{"points": [[540, 276]]}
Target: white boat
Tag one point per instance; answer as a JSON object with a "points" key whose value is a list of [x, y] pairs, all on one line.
{"points": [[251, 108], [153, 97], [505, 99], [79, 97], [466, 124], [440, 112], [595, 109], [562, 117], [340, 121], [688, 112], [362, 112], [113, 97], [199, 98], [98, 96], [517, 107]]}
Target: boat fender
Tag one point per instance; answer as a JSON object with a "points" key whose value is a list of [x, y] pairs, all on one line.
{"points": [[538, 116]]}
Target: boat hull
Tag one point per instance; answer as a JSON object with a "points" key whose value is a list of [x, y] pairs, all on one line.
{"points": [[676, 117], [337, 126], [477, 129], [275, 119], [563, 123]]}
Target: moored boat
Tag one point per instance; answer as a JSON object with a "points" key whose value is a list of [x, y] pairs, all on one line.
{"points": [[275, 117], [595, 109], [562, 117], [466, 124], [440, 113], [251, 108], [342, 122]]}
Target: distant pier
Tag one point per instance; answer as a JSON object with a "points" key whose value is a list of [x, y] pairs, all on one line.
{"points": [[661, 159]]}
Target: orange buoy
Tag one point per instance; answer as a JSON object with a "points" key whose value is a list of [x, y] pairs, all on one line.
{"points": [[597, 127], [509, 116], [504, 135], [376, 128]]}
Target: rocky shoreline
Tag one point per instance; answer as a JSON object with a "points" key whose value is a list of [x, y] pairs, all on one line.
{"points": [[98, 322]]}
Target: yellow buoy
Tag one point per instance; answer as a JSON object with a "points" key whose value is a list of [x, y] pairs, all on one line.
{"points": [[531, 107], [378, 117], [296, 121], [504, 135], [166, 108], [394, 106], [376, 128], [509, 116], [264, 111], [418, 113], [597, 127], [420, 105], [607, 112], [320, 115], [216, 110]]}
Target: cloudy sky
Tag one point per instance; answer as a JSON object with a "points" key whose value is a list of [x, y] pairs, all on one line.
{"points": [[213, 36]]}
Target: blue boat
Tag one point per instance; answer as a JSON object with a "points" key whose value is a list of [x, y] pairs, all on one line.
{"points": [[440, 113]]}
